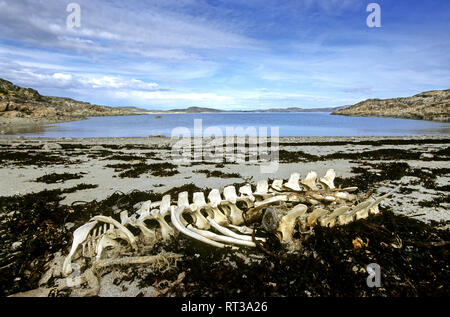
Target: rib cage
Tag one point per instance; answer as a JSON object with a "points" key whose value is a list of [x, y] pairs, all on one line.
{"points": [[224, 219]]}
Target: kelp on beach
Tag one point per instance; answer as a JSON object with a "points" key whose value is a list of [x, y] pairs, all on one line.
{"points": [[413, 255]]}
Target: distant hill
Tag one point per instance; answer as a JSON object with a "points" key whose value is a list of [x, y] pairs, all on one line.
{"points": [[296, 109], [431, 105], [209, 110], [194, 110], [25, 103]]}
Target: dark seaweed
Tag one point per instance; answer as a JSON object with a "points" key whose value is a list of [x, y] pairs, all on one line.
{"points": [[58, 178], [368, 142], [37, 221], [135, 170], [327, 265], [218, 174], [36, 158]]}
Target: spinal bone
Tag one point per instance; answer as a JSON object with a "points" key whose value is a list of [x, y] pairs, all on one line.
{"points": [[285, 204]]}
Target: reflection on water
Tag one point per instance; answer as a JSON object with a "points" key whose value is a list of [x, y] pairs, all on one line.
{"points": [[24, 130], [289, 124]]}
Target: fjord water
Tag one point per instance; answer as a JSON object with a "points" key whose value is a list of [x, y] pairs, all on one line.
{"points": [[289, 124]]}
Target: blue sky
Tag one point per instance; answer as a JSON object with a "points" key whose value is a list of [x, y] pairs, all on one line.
{"points": [[226, 54]]}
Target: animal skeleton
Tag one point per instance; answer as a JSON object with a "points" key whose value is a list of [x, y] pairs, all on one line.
{"points": [[223, 221]]}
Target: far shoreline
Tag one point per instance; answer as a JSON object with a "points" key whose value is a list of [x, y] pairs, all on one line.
{"points": [[21, 126]]}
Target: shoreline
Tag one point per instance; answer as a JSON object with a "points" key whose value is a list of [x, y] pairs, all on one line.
{"points": [[105, 159], [8, 125], [281, 138], [14, 126]]}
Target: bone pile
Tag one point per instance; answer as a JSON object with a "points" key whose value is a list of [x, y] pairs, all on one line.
{"points": [[283, 207]]}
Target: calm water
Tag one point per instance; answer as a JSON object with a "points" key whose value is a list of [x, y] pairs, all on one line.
{"points": [[290, 124]]}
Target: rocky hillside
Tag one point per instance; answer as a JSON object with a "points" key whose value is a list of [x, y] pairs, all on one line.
{"points": [[27, 103], [431, 105]]}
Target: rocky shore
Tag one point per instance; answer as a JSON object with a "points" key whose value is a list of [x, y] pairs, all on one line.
{"points": [[431, 105], [20, 107]]}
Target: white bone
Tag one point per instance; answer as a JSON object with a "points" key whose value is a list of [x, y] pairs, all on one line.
{"points": [[261, 188], [158, 215], [271, 200], [184, 203], [277, 184], [293, 182], [316, 214], [164, 208], [105, 242], [312, 201], [287, 223], [145, 207], [166, 230], [328, 179], [330, 220], [350, 189], [175, 217], [155, 204], [214, 201], [246, 191], [218, 237], [214, 197], [130, 237], [124, 217], [345, 196], [105, 228], [79, 236], [149, 235], [229, 193], [199, 220], [242, 229], [199, 199], [230, 233], [363, 209], [200, 202], [235, 213], [183, 200], [310, 181], [151, 259], [246, 195]]}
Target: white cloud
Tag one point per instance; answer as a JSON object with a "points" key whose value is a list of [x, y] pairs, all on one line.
{"points": [[61, 76], [95, 81], [177, 53], [140, 29]]}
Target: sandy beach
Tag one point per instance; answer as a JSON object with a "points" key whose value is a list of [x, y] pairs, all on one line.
{"points": [[422, 167], [55, 185]]}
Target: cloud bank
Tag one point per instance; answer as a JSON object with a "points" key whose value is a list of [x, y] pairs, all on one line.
{"points": [[226, 54]]}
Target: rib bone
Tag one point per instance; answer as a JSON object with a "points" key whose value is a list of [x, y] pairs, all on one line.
{"points": [[330, 206]]}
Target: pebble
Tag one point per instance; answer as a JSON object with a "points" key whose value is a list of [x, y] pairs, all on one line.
{"points": [[426, 156], [16, 245], [51, 146], [97, 148], [69, 225]]}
